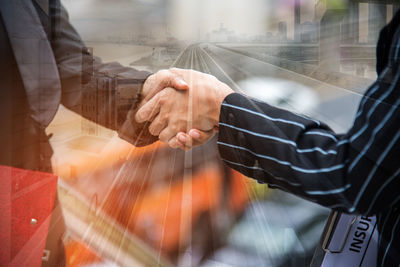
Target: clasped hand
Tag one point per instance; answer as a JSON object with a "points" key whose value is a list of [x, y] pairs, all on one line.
{"points": [[183, 106]]}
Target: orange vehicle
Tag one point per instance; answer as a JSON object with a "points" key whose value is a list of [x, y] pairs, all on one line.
{"points": [[170, 199], [78, 254]]}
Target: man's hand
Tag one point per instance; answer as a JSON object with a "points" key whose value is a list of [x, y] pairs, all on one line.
{"points": [[138, 133], [160, 80], [173, 111]]}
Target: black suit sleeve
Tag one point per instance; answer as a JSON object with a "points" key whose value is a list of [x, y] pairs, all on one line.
{"points": [[71, 54]]}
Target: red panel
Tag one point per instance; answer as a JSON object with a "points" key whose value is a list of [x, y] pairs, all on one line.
{"points": [[25, 196]]}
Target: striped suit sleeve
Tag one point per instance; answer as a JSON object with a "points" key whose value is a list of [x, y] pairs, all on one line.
{"points": [[355, 172]]}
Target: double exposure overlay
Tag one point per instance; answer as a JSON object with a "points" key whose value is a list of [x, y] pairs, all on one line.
{"points": [[84, 182]]}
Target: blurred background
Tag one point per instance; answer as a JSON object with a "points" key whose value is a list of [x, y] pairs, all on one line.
{"points": [[155, 206]]}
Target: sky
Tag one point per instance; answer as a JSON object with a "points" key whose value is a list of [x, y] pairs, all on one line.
{"points": [[183, 19]]}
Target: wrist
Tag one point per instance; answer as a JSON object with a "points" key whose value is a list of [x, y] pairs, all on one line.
{"points": [[222, 92]]}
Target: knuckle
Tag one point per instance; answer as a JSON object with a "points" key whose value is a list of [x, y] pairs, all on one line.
{"points": [[173, 128], [163, 117], [142, 114], [152, 77], [173, 143], [152, 130], [163, 137], [211, 78], [178, 126], [161, 75], [163, 72], [163, 99]]}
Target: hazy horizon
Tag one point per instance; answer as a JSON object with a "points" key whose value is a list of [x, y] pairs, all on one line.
{"points": [[182, 19]]}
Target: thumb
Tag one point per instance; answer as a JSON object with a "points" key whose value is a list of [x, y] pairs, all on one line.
{"points": [[160, 80], [167, 78], [176, 81]]}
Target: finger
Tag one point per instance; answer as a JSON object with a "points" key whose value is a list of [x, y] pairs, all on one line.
{"points": [[201, 136], [175, 81], [166, 78], [157, 125], [149, 110], [174, 143], [195, 137], [166, 135], [183, 138], [185, 141]]}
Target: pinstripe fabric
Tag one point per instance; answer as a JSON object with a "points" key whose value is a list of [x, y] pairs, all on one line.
{"points": [[357, 172]]}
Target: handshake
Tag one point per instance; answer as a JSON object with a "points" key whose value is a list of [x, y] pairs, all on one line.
{"points": [[182, 106]]}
